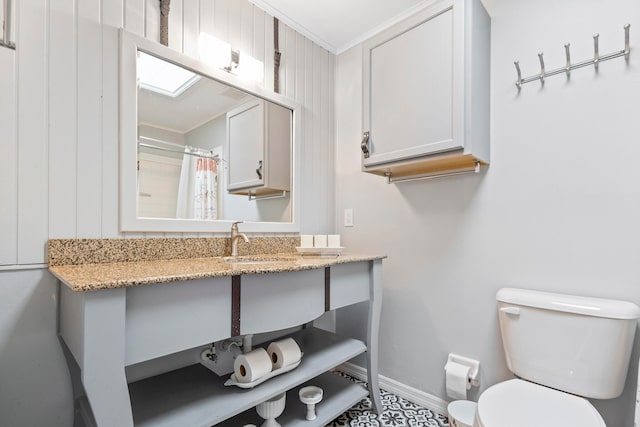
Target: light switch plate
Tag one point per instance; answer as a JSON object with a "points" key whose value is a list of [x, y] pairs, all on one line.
{"points": [[348, 217]]}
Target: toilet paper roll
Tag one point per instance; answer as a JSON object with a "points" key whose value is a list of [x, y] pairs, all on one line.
{"points": [[284, 352], [252, 366], [457, 380]]}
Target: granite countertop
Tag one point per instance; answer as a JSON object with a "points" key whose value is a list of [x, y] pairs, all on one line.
{"points": [[90, 277]]}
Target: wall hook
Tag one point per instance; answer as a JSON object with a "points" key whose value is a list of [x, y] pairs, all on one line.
{"points": [[542, 72], [626, 41], [595, 61], [519, 81], [596, 54]]}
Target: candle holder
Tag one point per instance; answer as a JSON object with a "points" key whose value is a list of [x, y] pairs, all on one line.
{"points": [[310, 396], [272, 409]]}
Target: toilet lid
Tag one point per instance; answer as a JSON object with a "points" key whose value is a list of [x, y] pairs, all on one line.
{"points": [[524, 404]]}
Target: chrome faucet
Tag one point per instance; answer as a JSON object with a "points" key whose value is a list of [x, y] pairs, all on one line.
{"points": [[235, 236]]}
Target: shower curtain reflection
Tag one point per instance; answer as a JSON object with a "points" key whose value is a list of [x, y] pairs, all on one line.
{"points": [[197, 191]]}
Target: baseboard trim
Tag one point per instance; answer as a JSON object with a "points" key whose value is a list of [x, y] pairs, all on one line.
{"points": [[414, 395]]}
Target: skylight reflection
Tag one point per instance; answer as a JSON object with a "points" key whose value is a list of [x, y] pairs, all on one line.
{"points": [[163, 77]]}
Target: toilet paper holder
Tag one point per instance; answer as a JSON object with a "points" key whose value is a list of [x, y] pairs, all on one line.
{"points": [[474, 367]]}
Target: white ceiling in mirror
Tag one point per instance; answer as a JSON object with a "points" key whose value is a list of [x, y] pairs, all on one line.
{"points": [[338, 25], [203, 100]]}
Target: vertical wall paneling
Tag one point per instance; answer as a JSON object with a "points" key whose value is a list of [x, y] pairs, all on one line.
{"points": [[207, 20], [12, 36], [112, 20], [191, 30], [288, 47], [134, 16], [152, 20], [299, 67], [89, 92], [321, 101], [259, 38], [247, 28], [2, 37], [31, 57], [220, 19], [83, 109], [175, 25], [316, 142], [307, 140], [330, 187], [8, 157], [326, 135], [234, 29], [2, 20], [63, 111], [301, 79]]}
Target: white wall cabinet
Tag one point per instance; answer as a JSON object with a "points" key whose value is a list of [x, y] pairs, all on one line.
{"points": [[426, 92], [259, 149]]}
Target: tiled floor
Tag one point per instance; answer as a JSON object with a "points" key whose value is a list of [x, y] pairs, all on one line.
{"points": [[397, 412]]}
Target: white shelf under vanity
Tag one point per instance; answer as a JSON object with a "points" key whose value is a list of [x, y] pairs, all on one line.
{"points": [[195, 396]]}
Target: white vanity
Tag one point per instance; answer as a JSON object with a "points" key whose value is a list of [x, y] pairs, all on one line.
{"points": [[124, 313], [116, 315]]}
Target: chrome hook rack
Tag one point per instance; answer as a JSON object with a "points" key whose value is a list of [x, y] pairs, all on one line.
{"points": [[597, 59]]}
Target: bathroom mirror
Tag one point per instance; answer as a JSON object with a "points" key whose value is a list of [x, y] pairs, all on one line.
{"points": [[177, 150]]}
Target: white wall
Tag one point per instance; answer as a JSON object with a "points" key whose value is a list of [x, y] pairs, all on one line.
{"points": [[59, 157], [557, 209]]}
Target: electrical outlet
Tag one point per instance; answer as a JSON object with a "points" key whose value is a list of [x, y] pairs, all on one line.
{"points": [[348, 217]]}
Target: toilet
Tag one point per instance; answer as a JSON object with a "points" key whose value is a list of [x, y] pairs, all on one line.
{"points": [[563, 349]]}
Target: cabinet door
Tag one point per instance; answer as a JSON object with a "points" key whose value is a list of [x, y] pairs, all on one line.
{"points": [[409, 76], [245, 135]]}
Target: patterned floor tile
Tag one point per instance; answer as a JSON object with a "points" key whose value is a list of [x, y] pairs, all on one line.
{"points": [[397, 412]]}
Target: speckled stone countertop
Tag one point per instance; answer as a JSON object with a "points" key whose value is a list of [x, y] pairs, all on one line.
{"points": [[91, 277]]}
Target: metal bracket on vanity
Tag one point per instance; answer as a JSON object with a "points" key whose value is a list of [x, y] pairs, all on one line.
{"points": [[235, 305]]}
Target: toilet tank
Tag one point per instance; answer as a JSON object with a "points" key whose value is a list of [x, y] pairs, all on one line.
{"points": [[580, 345]]}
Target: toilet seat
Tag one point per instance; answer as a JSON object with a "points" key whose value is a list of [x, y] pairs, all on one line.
{"points": [[525, 404]]}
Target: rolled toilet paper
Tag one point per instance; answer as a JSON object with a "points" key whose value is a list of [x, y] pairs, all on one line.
{"points": [[457, 380], [284, 353], [252, 366]]}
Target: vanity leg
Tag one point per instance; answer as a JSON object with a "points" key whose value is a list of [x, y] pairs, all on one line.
{"points": [[92, 325], [81, 417], [102, 365], [375, 306]]}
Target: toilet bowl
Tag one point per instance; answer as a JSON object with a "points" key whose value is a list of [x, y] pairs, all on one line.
{"points": [[563, 349], [524, 404]]}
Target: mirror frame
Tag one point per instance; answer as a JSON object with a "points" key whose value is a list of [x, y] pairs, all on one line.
{"points": [[130, 44]]}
